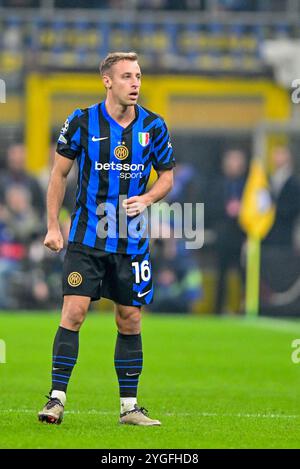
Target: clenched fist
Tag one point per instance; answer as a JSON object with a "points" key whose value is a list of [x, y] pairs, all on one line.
{"points": [[54, 240], [135, 205]]}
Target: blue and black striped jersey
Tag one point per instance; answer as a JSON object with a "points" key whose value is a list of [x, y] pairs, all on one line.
{"points": [[112, 161]]}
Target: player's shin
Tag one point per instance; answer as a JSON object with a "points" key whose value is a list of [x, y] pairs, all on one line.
{"points": [[128, 365], [65, 353]]}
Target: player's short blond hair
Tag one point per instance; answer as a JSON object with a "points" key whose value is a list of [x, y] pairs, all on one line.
{"points": [[115, 57]]}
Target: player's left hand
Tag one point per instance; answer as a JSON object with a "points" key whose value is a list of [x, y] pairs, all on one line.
{"points": [[135, 205]]}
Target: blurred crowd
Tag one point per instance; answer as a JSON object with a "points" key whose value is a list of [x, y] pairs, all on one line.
{"points": [[221, 5], [190, 36], [30, 275]]}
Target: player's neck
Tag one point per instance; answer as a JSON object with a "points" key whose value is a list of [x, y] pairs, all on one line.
{"points": [[123, 115]]}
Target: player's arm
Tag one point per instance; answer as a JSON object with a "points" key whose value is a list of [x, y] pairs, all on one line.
{"points": [[55, 197], [163, 162], [161, 187]]}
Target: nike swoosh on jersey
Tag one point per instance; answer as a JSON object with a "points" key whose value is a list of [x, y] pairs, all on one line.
{"points": [[132, 374], [140, 295], [95, 139]]}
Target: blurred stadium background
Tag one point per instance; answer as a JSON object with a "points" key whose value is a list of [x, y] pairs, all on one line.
{"points": [[220, 72]]}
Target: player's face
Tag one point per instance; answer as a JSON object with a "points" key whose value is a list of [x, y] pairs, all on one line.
{"points": [[125, 82]]}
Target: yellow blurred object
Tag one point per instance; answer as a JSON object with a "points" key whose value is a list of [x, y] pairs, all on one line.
{"points": [[257, 210], [64, 215], [234, 293], [50, 95]]}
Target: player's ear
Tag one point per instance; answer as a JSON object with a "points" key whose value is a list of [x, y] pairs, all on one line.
{"points": [[107, 81]]}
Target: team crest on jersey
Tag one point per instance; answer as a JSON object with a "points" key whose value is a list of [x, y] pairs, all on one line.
{"points": [[144, 138], [74, 279], [121, 152]]}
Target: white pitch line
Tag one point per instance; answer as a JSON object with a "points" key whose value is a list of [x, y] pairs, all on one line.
{"points": [[167, 414]]}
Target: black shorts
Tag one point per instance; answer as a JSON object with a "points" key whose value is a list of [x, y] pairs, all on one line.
{"points": [[124, 278]]}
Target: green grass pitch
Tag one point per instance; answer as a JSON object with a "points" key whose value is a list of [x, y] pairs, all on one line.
{"points": [[214, 383]]}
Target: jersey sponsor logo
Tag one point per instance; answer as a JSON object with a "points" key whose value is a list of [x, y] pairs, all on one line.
{"points": [[74, 279], [127, 171], [65, 127], [95, 139], [144, 138], [121, 152], [118, 166], [140, 295]]}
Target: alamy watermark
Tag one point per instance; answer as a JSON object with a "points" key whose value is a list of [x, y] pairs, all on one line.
{"points": [[2, 91], [296, 353], [160, 220], [2, 351], [296, 92]]}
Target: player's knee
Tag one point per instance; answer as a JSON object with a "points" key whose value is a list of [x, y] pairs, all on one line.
{"points": [[73, 316], [129, 321], [134, 322]]}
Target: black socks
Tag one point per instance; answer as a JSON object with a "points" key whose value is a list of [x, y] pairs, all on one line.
{"points": [[65, 352], [128, 360], [128, 363]]}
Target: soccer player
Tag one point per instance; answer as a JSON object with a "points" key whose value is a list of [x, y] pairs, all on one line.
{"points": [[115, 144]]}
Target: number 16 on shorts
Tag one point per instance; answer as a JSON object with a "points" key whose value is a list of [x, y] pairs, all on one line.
{"points": [[142, 271], [142, 290]]}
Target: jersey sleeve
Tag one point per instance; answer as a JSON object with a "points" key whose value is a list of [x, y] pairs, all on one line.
{"points": [[162, 151], [68, 143]]}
